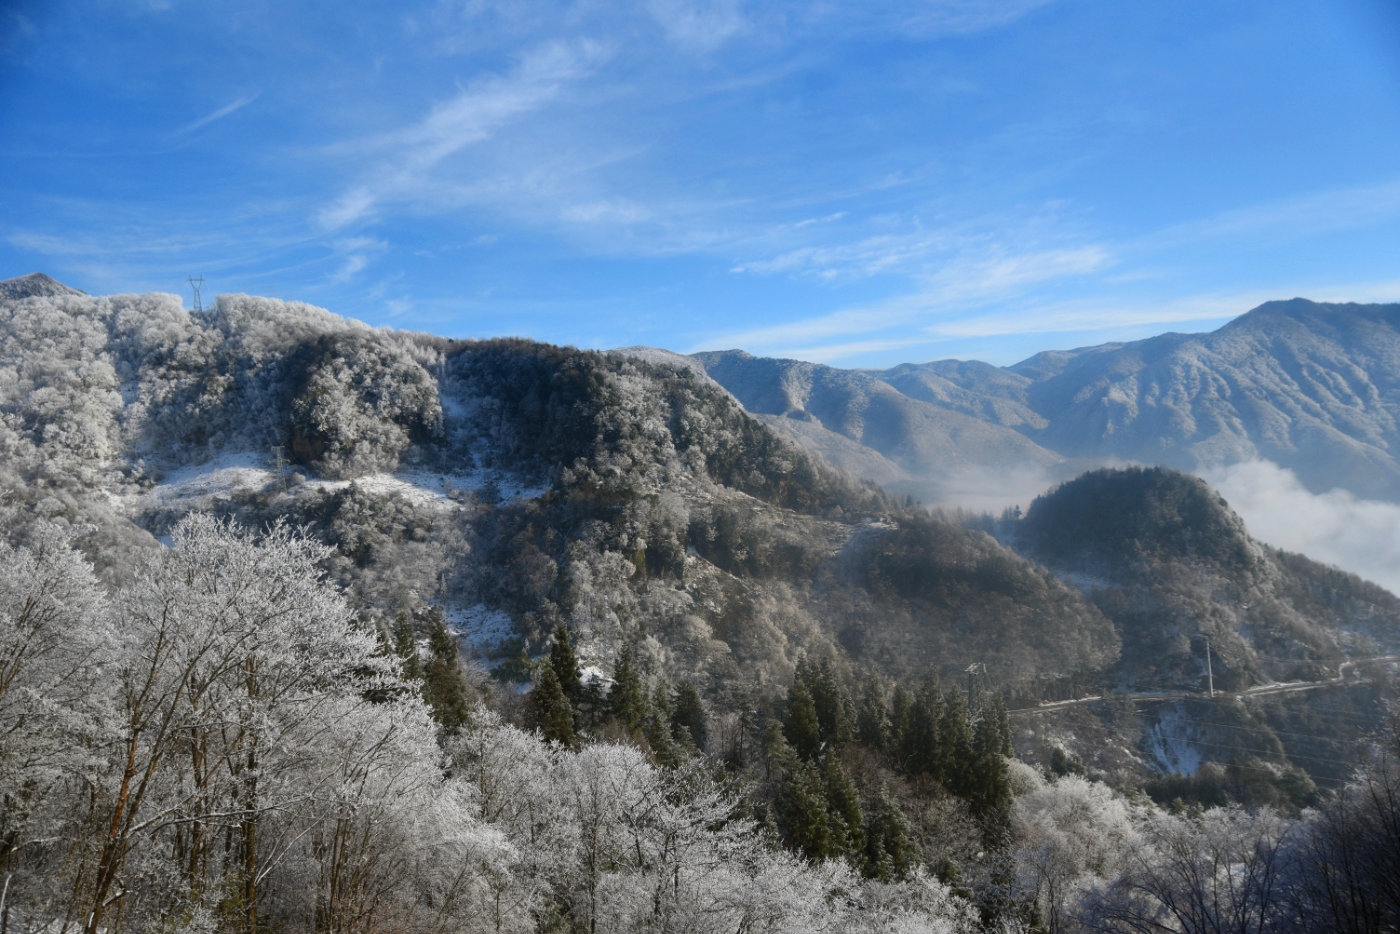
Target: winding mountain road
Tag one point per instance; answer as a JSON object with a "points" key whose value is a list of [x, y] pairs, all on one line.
{"points": [[1259, 690]]}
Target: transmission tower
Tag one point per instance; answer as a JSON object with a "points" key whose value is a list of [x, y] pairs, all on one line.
{"points": [[195, 284]]}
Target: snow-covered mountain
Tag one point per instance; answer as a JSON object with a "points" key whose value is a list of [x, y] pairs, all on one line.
{"points": [[1311, 387]]}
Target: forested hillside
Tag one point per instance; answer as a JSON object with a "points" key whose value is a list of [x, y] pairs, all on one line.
{"points": [[1200, 606], [313, 626]]}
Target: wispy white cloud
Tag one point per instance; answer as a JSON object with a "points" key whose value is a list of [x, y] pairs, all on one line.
{"points": [[1304, 216], [929, 317], [218, 114], [698, 25], [356, 252], [858, 323], [907, 252], [957, 286], [951, 17], [1002, 272], [353, 266], [403, 161], [1070, 317], [619, 211]]}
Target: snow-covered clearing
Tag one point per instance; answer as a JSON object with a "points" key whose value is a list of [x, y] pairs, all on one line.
{"points": [[197, 487], [478, 627]]}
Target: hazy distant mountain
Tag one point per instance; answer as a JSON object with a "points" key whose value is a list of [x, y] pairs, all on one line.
{"points": [[872, 427], [1312, 387]]}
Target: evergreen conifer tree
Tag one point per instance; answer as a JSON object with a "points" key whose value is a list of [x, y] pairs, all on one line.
{"points": [[688, 718], [900, 702], [406, 648], [656, 727], [564, 663], [803, 819], [444, 683], [627, 701], [845, 820], [801, 726], [889, 852], [548, 710], [990, 783], [920, 750], [832, 704], [955, 747], [872, 720]]}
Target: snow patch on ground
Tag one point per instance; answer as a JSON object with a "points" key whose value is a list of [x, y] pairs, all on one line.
{"points": [[432, 491], [437, 490], [1168, 743], [591, 673], [198, 487], [478, 627]]}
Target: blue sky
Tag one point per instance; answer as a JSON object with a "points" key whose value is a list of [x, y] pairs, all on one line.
{"points": [[853, 183]]}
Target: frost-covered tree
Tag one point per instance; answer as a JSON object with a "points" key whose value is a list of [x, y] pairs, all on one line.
{"points": [[230, 647], [1218, 872], [1072, 834], [56, 638]]}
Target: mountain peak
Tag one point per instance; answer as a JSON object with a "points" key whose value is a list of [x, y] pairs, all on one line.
{"points": [[36, 283]]}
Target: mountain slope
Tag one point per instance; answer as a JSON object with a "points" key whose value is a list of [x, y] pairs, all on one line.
{"points": [[915, 440], [1164, 557], [509, 484], [1312, 387], [34, 284]]}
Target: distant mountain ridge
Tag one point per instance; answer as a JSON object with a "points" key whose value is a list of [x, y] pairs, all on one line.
{"points": [[1313, 387]]}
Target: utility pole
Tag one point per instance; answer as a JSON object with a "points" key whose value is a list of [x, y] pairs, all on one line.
{"points": [[195, 284], [1210, 675]]}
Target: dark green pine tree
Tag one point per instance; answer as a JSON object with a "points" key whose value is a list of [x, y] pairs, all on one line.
{"points": [[627, 701], [406, 648], [990, 792], [844, 817], [996, 710], [955, 747], [900, 702], [689, 723], [920, 748], [656, 727], [889, 852], [548, 710], [872, 719], [832, 703], [565, 665], [444, 683], [801, 726], [803, 822]]}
